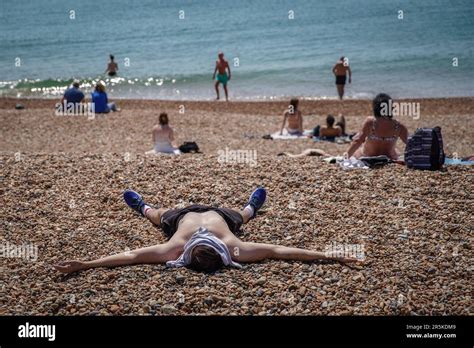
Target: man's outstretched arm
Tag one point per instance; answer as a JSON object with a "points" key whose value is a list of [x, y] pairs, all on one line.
{"points": [[253, 252], [154, 254]]}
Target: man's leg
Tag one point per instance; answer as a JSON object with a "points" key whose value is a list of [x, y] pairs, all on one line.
{"points": [[226, 93], [246, 216], [217, 89], [342, 124], [256, 201], [340, 91], [136, 202], [154, 215]]}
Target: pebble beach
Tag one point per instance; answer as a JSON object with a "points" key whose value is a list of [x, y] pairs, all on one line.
{"points": [[63, 177]]}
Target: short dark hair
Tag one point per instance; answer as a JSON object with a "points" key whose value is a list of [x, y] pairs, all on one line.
{"points": [[330, 120], [380, 102], [163, 120], [205, 259], [112, 57]]}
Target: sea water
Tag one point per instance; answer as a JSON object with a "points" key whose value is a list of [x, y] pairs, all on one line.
{"points": [[276, 48]]}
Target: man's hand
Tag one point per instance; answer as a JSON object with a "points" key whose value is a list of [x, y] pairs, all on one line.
{"points": [[348, 259], [344, 259], [70, 266]]}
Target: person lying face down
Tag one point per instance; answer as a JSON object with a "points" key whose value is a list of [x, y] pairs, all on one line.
{"points": [[202, 238], [380, 133]]}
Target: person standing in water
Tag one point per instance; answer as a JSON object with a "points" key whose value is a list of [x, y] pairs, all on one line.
{"points": [[112, 67], [222, 66], [340, 70]]}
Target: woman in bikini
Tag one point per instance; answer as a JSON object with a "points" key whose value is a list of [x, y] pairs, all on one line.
{"points": [[294, 118], [378, 136], [380, 133]]}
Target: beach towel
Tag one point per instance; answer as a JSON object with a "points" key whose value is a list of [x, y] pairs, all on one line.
{"points": [[364, 162], [287, 136], [203, 237], [352, 163], [337, 140], [458, 161]]}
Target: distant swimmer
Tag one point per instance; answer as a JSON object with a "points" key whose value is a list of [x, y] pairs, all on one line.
{"points": [[112, 67], [222, 66], [340, 70]]}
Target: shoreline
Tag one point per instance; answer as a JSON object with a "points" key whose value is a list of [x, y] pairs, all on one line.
{"points": [[348, 107]]}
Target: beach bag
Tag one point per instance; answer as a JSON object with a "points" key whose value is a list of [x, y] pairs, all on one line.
{"points": [[189, 146], [424, 149]]}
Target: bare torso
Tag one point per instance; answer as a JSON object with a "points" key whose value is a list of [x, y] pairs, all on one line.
{"points": [[211, 220], [221, 66], [293, 119], [388, 131], [330, 132], [112, 67], [162, 134], [340, 69]]}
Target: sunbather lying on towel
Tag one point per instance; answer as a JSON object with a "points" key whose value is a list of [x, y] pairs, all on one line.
{"points": [[202, 238]]}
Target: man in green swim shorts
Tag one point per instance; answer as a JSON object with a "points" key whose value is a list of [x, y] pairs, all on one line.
{"points": [[222, 66]]}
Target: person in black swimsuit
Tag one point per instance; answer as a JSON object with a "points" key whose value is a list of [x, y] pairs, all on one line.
{"points": [[112, 67], [340, 70]]}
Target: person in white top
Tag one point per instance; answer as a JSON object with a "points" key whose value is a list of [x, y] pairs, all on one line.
{"points": [[163, 137]]}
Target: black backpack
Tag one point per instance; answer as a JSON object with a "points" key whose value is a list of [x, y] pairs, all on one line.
{"points": [[424, 149], [189, 146]]}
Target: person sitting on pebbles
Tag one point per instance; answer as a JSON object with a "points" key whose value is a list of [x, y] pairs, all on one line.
{"points": [[202, 238], [163, 137], [100, 100], [330, 132], [295, 119], [380, 133]]}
